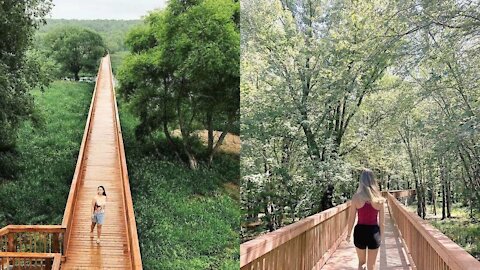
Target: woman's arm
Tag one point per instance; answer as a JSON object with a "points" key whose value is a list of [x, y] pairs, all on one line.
{"points": [[93, 206], [382, 221], [351, 218]]}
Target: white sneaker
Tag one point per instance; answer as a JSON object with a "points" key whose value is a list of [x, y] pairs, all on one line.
{"points": [[98, 241]]}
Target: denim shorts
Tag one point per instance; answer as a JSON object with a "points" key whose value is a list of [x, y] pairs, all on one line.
{"points": [[98, 218]]}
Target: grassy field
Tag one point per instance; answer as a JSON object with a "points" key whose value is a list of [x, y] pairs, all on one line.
{"points": [[460, 227], [185, 219], [47, 154]]}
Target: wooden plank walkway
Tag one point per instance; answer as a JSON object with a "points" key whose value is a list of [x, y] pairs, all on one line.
{"points": [[391, 256], [101, 167]]}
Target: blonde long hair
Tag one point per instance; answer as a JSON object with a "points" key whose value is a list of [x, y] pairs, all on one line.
{"points": [[367, 188]]}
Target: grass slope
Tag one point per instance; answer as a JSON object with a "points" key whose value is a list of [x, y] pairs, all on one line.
{"points": [[186, 220], [47, 156]]}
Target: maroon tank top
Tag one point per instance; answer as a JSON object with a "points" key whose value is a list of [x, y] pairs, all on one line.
{"points": [[367, 215]]}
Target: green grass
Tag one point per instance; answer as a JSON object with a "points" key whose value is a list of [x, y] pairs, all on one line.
{"points": [[47, 155], [185, 219]]}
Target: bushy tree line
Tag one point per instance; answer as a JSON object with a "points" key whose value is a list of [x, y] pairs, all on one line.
{"points": [[27, 62], [113, 32], [183, 73], [74, 49], [20, 71]]}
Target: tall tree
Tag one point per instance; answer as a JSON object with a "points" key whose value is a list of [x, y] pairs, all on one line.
{"points": [[75, 49], [184, 73], [19, 71]]}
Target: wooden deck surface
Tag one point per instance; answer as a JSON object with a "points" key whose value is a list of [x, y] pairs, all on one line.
{"points": [[391, 256], [101, 167]]}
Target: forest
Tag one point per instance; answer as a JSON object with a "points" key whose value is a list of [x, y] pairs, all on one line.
{"points": [[329, 87]]}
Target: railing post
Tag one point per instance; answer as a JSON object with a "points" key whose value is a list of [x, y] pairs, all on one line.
{"points": [[48, 263], [11, 243], [55, 243], [303, 245]]}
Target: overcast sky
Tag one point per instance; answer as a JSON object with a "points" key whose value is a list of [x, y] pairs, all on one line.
{"points": [[103, 9]]}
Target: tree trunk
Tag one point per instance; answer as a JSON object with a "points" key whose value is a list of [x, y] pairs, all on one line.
{"points": [[413, 164], [185, 130], [442, 179], [326, 201], [75, 74], [192, 161], [388, 181], [220, 140], [449, 197], [210, 131], [434, 199]]}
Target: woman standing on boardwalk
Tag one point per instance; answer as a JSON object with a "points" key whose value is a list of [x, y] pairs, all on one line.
{"points": [[98, 214], [368, 234]]}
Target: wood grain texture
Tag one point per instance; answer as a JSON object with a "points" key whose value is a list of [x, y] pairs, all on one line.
{"points": [[101, 165]]}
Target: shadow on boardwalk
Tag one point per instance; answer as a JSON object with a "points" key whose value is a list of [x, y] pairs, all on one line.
{"points": [[391, 256]]}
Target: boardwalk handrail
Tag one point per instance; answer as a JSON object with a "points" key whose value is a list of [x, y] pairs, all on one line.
{"points": [[30, 260], [305, 244], [132, 235], [70, 206], [32, 238], [56, 234], [400, 193], [429, 248]]}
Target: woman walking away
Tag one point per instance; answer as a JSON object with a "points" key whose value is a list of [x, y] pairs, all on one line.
{"points": [[367, 202], [98, 214]]}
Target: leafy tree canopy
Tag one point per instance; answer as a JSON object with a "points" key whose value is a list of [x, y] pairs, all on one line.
{"points": [[75, 49]]}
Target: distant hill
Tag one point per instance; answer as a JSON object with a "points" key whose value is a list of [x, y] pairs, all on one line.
{"points": [[112, 31]]}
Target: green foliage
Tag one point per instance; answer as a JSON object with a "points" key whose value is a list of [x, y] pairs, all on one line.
{"points": [[461, 228], [117, 59], [177, 227], [184, 74], [20, 71], [75, 49], [113, 32], [46, 155]]}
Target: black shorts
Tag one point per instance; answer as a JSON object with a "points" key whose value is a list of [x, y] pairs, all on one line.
{"points": [[366, 236]]}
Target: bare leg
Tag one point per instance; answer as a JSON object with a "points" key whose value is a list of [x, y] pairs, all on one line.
{"points": [[362, 257], [92, 227], [372, 258], [99, 232]]}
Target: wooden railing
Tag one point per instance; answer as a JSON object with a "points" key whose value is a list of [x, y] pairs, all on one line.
{"points": [[32, 238], [428, 247], [400, 193], [77, 175], [31, 247], [41, 246], [127, 196], [37, 261], [306, 244]]}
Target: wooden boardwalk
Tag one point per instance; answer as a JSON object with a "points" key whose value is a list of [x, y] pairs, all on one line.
{"points": [[101, 167], [391, 256]]}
